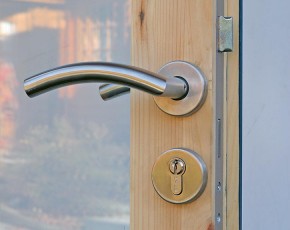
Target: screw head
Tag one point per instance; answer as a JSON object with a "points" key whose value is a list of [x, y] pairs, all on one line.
{"points": [[219, 186], [219, 218]]}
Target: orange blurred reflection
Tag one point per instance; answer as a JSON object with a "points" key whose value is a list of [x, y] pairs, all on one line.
{"points": [[8, 105], [44, 1]]}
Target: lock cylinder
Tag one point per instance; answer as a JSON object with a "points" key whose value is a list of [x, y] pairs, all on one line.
{"points": [[179, 176]]}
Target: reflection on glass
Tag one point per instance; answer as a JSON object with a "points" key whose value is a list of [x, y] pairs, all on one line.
{"points": [[64, 156]]}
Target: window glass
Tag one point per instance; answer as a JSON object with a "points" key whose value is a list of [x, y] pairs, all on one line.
{"points": [[64, 156]]}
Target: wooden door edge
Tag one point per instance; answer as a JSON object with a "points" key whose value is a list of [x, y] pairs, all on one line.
{"points": [[231, 161]]}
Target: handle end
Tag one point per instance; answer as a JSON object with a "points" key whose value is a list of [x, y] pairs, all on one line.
{"points": [[110, 91]]}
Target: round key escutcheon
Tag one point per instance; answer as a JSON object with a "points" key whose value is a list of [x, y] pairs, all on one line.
{"points": [[183, 167]]}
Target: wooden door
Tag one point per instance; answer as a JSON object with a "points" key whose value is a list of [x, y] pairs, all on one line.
{"points": [[164, 31]]}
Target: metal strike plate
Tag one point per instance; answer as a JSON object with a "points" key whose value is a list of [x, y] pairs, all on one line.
{"points": [[225, 34], [179, 176]]}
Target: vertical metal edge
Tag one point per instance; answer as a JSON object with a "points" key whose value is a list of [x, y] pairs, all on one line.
{"points": [[218, 128], [240, 111]]}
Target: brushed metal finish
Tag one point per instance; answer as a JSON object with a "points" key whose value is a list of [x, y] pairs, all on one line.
{"points": [[110, 91], [190, 103], [134, 77], [194, 178], [179, 88], [225, 34], [197, 89], [177, 168]]}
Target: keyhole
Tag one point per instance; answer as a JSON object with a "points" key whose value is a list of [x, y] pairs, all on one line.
{"points": [[177, 168]]}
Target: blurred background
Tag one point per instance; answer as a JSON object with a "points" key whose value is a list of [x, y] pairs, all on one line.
{"points": [[64, 156]]}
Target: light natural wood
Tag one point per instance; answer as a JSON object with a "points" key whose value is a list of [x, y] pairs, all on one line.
{"points": [[162, 31], [232, 122]]}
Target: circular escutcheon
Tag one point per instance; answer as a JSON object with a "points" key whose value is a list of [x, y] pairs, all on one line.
{"points": [[197, 89], [194, 178]]}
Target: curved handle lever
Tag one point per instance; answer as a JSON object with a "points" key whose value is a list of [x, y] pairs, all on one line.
{"points": [[110, 91], [179, 88], [130, 76]]}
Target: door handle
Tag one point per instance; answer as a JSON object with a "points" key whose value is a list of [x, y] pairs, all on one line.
{"points": [[178, 89], [138, 78], [110, 91]]}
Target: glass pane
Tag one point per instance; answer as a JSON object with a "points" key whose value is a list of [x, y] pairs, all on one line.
{"points": [[64, 156]]}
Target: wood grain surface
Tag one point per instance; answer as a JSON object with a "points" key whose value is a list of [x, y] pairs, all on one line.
{"points": [[163, 31], [232, 123]]}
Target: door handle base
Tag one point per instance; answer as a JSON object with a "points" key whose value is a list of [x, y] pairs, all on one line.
{"points": [[197, 89]]}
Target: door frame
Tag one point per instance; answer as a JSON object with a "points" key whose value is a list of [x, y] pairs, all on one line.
{"points": [[232, 122]]}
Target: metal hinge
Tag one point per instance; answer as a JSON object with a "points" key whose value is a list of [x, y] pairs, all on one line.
{"points": [[225, 34]]}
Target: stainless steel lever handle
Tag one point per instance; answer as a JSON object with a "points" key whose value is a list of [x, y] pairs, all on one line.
{"points": [[110, 91], [179, 88], [138, 78]]}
